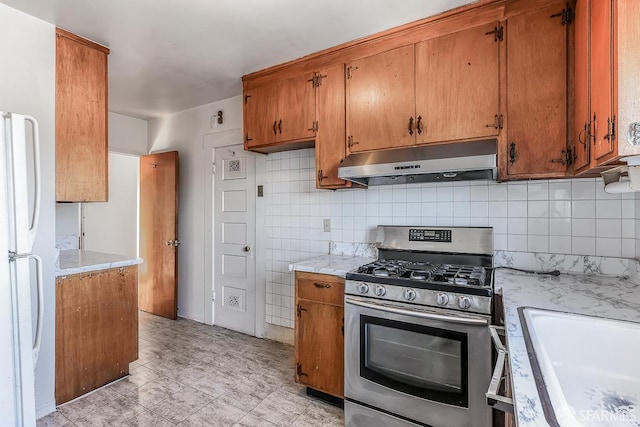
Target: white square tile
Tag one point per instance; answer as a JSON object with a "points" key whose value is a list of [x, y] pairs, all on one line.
{"points": [[479, 209], [628, 228], [445, 209], [498, 209], [373, 196], [538, 209], [500, 242], [499, 225], [608, 247], [517, 226], [628, 248], [583, 189], [429, 209], [386, 209], [461, 209], [399, 195], [399, 209], [517, 209], [560, 190], [517, 243], [628, 209], [461, 194], [444, 221], [414, 209], [498, 192], [479, 222], [560, 227], [583, 245], [386, 196], [444, 194], [583, 209], [609, 209], [462, 221], [611, 228], [538, 227], [516, 191], [538, 190], [560, 209], [414, 194], [538, 244], [429, 194], [583, 228], [560, 245], [479, 193]]}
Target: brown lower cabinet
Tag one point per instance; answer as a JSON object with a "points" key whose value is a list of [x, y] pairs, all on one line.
{"points": [[319, 332], [96, 329]]}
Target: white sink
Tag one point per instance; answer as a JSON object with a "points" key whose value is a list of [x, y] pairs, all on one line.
{"points": [[590, 367]]}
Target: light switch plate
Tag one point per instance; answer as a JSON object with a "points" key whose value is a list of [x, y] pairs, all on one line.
{"points": [[326, 223]]}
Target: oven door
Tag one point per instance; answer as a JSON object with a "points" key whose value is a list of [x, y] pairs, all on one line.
{"points": [[426, 365]]}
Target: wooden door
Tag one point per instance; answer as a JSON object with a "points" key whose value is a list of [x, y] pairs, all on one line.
{"points": [[320, 347], [601, 68], [296, 108], [331, 136], [381, 101], [457, 85], [158, 285], [580, 133], [81, 120], [536, 94], [260, 116]]}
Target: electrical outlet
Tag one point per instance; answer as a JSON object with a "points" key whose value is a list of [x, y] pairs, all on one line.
{"points": [[326, 224]]}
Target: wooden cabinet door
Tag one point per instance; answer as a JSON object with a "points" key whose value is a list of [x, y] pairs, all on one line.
{"points": [[381, 100], [296, 108], [81, 120], [536, 94], [601, 67], [320, 347], [580, 133], [331, 137], [260, 115], [457, 86]]}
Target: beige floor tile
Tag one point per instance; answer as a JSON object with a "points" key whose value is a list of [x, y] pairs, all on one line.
{"points": [[181, 405], [251, 420], [55, 419], [215, 414]]}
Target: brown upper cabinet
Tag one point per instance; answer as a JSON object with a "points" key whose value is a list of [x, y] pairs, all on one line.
{"points": [[439, 90], [81, 119], [537, 94], [280, 112], [607, 86], [330, 138]]}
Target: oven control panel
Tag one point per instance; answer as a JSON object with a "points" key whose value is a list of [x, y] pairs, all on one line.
{"points": [[426, 235]]}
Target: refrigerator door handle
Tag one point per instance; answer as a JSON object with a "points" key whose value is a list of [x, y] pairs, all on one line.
{"points": [[40, 313], [33, 228]]}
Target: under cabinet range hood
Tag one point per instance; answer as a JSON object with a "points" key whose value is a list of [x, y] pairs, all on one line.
{"points": [[461, 161]]}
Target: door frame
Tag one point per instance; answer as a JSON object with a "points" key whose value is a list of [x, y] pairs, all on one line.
{"points": [[210, 142]]}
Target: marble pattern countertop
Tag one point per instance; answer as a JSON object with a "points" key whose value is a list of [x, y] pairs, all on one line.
{"points": [[336, 265], [74, 261], [601, 296]]}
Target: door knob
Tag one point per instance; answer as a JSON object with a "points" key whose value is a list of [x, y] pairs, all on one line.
{"points": [[246, 248]]}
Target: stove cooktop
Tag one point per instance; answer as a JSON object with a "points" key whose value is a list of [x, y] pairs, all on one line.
{"points": [[472, 280]]}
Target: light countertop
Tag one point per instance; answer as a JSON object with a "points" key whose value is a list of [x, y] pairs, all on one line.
{"points": [[74, 261], [335, 265], [600, 296]]}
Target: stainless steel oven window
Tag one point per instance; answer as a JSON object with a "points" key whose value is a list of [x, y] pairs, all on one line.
{"points": [[418, 360]]}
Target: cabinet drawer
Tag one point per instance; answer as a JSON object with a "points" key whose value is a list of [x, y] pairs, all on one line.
{"points": [[320, 287]]}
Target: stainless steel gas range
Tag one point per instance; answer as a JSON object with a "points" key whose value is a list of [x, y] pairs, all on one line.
{"points": [[417, 342]]}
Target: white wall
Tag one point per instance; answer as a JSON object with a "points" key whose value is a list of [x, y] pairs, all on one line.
{"points": [[127, 135], [112, 226], [67, 219], [186, 132], [559, 216], [27, 85]]}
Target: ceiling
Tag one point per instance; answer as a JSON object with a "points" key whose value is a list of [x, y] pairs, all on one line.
{"points": [[172, 55]]}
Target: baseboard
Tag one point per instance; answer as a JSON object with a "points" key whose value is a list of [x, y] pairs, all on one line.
{"points": [[279, 333]]}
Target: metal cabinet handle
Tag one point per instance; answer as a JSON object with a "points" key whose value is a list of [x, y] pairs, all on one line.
{"points": [[411, 125], [321, 176], [501, 403], [321, 285], [419, 125], [280, 126], [275, 123]]}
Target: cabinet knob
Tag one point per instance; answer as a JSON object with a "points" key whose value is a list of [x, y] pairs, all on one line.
{"points": [[246, 248]]}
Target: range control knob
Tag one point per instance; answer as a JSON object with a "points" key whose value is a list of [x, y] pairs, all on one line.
{"points": [[409, 294], [442, 299], [380, 291], [363, 288], [464, 302]]}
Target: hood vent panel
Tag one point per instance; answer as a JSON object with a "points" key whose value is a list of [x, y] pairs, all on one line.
{"points": [[462, 161]]}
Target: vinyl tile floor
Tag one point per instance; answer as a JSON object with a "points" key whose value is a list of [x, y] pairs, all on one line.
{"points": [[191, 374]]}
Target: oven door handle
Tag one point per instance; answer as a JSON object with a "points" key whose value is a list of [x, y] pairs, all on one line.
{"points": [[494, 399], [420, 314]]}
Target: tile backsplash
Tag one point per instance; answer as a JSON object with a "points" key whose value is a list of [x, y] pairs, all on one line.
{"points": [[570, 217]]}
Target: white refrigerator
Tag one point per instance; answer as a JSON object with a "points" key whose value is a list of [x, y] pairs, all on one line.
{"points": [[20, 329]]}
